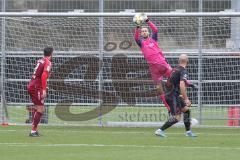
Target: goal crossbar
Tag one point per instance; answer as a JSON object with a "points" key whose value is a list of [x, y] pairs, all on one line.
{"points": [[121, 14]]}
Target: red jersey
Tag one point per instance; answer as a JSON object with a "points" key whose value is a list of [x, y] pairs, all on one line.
{"points": [[41, 73]]}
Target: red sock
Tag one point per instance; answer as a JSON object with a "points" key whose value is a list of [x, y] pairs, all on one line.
{"points": [[236, 116], [34, 110], [162, 97], [230, 116], [36, 120]]}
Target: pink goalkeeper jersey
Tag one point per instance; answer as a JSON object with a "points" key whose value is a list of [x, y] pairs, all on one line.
{"points": [[149, 46]]}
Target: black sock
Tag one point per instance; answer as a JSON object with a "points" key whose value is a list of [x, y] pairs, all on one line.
{"points": [[187, 120], [171, 121]]}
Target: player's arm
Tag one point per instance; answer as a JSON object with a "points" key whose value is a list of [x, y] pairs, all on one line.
{"points": [[44, 78], [150, 24], [153, 28], [182, 86], [191, 84], [183, 90], [44, 81], [184, 93], [137, 35]]}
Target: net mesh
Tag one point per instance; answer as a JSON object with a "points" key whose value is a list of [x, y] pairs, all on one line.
{"points": [[116, 78]]}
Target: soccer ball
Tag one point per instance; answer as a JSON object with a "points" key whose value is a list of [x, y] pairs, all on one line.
{"points": [[194, 122], [138, 19]]}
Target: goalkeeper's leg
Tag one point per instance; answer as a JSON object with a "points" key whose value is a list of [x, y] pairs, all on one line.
{"points": [[162, 95], [158, 71]]}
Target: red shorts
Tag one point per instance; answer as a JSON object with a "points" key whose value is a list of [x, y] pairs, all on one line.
{"points": [[36, 94], [160, 70]]}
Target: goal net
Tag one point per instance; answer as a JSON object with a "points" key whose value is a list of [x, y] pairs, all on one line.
{"points": [[99, 75]]}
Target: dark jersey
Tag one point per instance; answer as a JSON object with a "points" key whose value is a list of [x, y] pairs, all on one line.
{"points": [[179, 73]]}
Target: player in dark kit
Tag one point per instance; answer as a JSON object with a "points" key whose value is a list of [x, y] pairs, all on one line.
{"points": [[37, 88], [177, 98]]}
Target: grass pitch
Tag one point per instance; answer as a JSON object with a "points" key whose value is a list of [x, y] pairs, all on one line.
{"points": [[101, 143]]}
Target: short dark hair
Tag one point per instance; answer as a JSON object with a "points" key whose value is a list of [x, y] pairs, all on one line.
{"points": [[48, 51]]}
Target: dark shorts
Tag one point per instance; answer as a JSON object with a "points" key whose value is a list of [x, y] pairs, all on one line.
{"points": [[175, 103], [36, 94]]}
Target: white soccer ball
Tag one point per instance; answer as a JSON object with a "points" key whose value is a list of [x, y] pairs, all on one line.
{"points": [[194, 122], [138, 19]]}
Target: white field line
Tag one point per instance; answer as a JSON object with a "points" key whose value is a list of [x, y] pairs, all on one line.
{"points": [[114, 145], [116, 132], [8, 130], [131, 132]]}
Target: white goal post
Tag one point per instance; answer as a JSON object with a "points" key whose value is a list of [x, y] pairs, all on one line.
{"points": [[100, 72]]}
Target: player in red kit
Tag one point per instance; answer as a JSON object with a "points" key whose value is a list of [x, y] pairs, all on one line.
{"points": [[37, 88]]}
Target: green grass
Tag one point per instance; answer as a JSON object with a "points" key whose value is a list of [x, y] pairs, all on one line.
{"points": [[95, 143], [18, 114]]}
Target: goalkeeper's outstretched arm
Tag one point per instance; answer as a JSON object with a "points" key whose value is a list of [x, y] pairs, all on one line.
{"points": [[137, 35], [153, 28]]}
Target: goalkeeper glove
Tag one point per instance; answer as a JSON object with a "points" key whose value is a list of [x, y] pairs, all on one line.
{"points": [[144, 17], [140, 18]]}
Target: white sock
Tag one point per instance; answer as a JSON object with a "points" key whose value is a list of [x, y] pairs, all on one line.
{"points": [[33, 131], [159, 130]]}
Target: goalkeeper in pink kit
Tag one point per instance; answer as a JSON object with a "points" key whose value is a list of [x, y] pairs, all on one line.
{"points": [[157, 63]]}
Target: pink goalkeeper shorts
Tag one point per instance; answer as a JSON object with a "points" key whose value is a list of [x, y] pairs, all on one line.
{"points": [[158, 71]]}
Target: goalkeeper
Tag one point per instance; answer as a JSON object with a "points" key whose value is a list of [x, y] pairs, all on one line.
{"points": [[157, 63]]}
